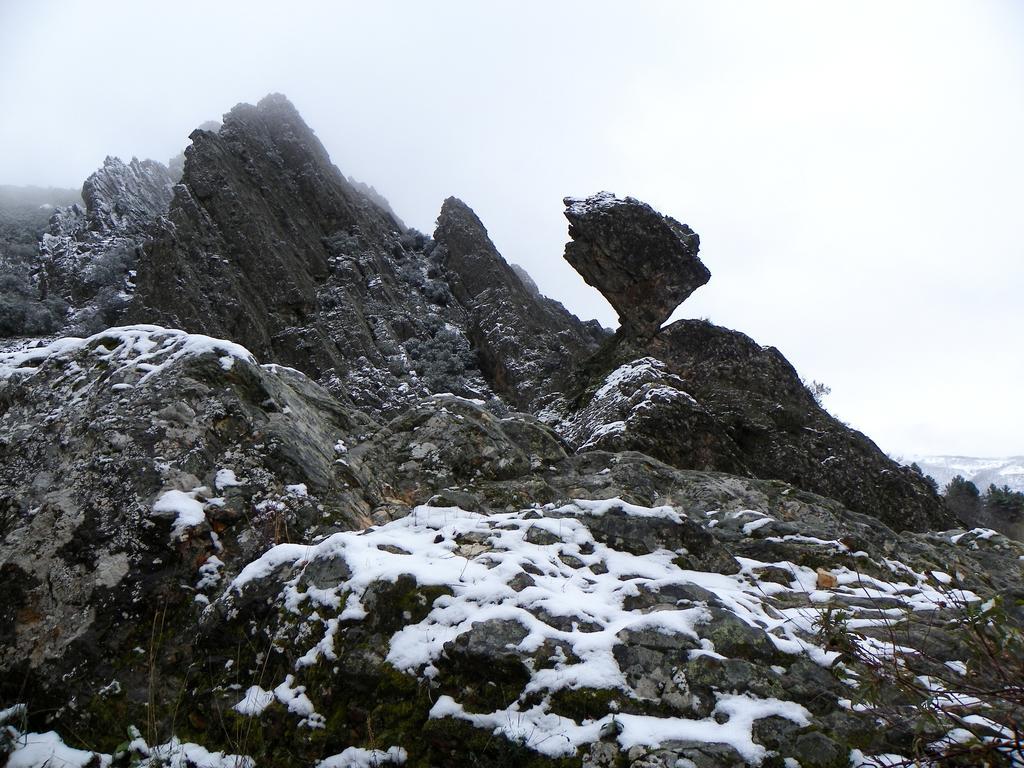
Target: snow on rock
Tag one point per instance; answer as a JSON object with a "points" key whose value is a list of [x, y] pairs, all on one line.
{"points": [[296, 701], [355, 757], [48, 750], [138, 349], [601, 507], [89, 254], [254, 701], [627, 394], [541, 578], [184, 507], [226, 478], [32, 750], [178, 754]]}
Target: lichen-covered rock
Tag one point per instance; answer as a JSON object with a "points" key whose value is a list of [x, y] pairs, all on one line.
{"points": [[642, 405], [760, 402], [135, 466], [644, 263], [445, 442], [413, 632], [703, 397]]}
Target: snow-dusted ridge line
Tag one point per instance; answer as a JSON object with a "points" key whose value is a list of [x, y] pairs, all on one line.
{"points": [[146, 348], [580, 206]]}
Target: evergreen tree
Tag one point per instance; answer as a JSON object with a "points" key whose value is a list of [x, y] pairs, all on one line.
{"points": [[963, 499]]}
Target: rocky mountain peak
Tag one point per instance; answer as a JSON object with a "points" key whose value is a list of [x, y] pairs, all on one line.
{"points": [[87, 256], [123, 196], [644, 263], [377, 500], [526, 343], [470, 254]]}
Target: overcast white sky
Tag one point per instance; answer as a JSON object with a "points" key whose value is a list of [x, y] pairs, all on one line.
{"points": [[854, 169]]}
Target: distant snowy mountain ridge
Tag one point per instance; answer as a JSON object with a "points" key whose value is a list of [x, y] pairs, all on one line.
{"points": [[982, 472]]}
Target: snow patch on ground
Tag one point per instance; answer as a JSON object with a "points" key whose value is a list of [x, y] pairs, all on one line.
{"points": [[48, 750], [578, 583], [355, 757]]}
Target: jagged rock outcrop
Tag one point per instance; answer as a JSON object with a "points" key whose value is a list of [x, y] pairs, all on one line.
{"points": [[526, 343], [186, 547], [268, 243], [244, 252], [643, 406], [360, 553], [704, 397], [176, 165], [25, 213], [761, 404], [644, 263], [88, 256], [126, 196]]}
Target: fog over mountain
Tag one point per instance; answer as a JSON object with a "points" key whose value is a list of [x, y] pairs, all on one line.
{"points": [[853, 169]]}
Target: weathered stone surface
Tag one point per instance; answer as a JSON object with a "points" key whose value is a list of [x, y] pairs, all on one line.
{"points": [[247, 247], [642, 405], [704, 397], [267, 243], [644, 263], [126, 196], [86, 556], [91, 437], [87, 257], [232, 554], [782, 433], [526, 343]]}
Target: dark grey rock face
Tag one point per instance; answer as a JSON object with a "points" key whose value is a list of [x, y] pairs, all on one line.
{"points": [[268, 243], [644, 263], [703, 397], [245, 250], [526, 342], [780, 432]]}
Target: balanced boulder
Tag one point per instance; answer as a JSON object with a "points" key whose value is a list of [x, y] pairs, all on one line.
{"points": [[644, 263]]}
